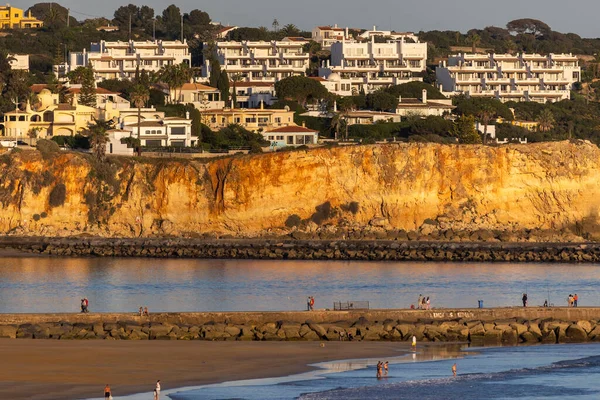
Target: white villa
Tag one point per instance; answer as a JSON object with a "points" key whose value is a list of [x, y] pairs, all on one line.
{"points": [[328, 35], [370, 66], [367, 35], [203, 97], [423, 107], [163, 132], [119, 60], [292, 135], [261, 61], [507, 77], [253, 94]]}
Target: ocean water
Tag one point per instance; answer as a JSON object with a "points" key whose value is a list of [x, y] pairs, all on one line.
{"points": [[525, 372], [45, 285]]}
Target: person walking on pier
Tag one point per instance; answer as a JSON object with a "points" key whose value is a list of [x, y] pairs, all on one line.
{"points": [[575, 298], [420, 301], [570, 300], [312, 303], [524, 298]]}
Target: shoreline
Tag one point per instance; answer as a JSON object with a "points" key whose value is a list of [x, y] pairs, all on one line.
{"points": [[80, 369], [286, 249]]}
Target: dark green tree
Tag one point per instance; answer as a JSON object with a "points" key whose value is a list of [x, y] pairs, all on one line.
{"points": [[300, 89], [87, 96], [223, 86]]}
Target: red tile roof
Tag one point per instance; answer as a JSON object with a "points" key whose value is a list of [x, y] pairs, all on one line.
{"points": [[198, 86], [291, 129]]}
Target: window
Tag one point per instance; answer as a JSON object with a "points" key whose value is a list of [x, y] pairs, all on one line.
{"points": [[271, 137], [290, 139], [279, 137], [147, 132], [178, 130]]}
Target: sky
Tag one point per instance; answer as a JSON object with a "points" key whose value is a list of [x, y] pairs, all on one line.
{"points": [[579, 16]]}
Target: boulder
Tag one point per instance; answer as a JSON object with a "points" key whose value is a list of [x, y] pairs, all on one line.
{"points": [[311, 336], [528, 337], [233, 331], [304, 329], [535, 330], [586, 326], [492, 337], [576, 333], [269, 327], [476, 330], [8, 331], [157, 331], [510, 337], [404, 329], [322, 332], [549, 337], [520, 328]]}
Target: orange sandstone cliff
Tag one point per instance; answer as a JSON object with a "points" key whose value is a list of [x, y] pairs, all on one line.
{"points": [[423, 189]]}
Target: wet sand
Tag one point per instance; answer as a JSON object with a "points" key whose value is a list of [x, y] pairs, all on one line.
{"points": [[47, 369]]}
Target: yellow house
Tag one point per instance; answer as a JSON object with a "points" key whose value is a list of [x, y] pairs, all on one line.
{"points": [[50, 119], [14, 18], [251, 119]]}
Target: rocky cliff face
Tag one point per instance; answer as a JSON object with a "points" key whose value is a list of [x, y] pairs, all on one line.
{"points": [[415, 189]]}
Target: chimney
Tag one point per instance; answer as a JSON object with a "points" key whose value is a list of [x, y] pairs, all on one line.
{"points": [[347, 33], [374, 27], [424, 98], [335, 26], [304, 124], [335, 106], [187, 115], [399, 99]]}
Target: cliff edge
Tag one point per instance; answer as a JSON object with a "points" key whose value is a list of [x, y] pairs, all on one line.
{"points": [[534, 192]]}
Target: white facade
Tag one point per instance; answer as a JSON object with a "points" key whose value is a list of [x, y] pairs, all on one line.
{"points": [[253, 94], [423, 107], [367, 35], [507, 77], [371, 66], [19, 61], [172, 131], [119, 60], [203, 97], [114, 145], [291, 136], [328, 35], [261, 61]]}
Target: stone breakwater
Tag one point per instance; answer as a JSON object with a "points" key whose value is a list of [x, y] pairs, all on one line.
{"points": [[375, 250], [481, 327]]}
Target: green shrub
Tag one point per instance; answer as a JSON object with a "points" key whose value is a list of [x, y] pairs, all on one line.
{"points": [[293, 221], [47, 148], [58, 195]]}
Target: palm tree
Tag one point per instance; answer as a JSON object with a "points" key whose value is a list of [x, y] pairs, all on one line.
{"points": [[339, 122], [98, 137], [485, 114], [475, 39], [275, 25], [546, 120], [139, 96]]}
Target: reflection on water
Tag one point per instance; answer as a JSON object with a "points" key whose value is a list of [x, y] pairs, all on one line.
{"points": [[57, 284]]}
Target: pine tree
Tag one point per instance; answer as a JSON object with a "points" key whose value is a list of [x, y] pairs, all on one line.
{"points": [[87, 95], [223, 86], [215, 73]]}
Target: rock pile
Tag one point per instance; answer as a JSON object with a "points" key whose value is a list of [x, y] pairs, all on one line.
{"points": [[506, 331], [379, 250]]}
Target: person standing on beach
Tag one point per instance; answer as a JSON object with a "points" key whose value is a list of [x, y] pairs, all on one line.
{"points": [[454, 369], [414, 343], [524, 298], [107, 394], [155, 395], [570, 300], [157, 390]]}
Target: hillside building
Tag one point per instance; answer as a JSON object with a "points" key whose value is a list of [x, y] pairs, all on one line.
{"points": [[507, 77], [120, 60], [14, 18], [260, 61]]}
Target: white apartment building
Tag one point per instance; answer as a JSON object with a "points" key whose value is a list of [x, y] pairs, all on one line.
{"points": [[254, 94], [370, 66], [260, 61], [507, 77], [119, 60], [328, 35], [367, 35]]}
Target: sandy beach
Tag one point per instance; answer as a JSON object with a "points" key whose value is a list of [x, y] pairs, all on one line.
{"points": [[46, 369]]}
